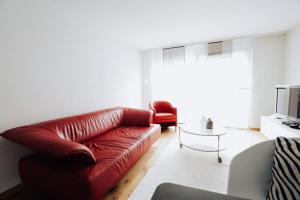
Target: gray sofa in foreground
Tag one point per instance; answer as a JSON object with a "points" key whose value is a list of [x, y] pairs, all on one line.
{"points": [[250, 174], [170, 191]]}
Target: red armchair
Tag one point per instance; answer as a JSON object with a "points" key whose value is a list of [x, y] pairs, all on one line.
{"points": [[164, 113]]}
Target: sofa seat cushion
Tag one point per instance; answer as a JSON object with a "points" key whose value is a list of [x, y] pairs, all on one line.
{"points": [[115, 152], [118, 142], [163, 117]]}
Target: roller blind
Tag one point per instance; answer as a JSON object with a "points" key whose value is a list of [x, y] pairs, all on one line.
{"points": [[174, 55]]}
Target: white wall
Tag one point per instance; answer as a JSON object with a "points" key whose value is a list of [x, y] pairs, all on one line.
{"points": [[57, 60], [146, 77], [267, 71], [292, 62]]}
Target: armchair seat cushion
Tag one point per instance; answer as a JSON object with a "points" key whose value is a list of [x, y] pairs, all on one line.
{"points": [[165, 117]]}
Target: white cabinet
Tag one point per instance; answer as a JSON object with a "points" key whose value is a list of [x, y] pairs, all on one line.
{"points": [[273, 127]]}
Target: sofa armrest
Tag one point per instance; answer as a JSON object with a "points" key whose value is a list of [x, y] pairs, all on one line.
{"points": [[250, 171], [45, 142], [137, 117]]}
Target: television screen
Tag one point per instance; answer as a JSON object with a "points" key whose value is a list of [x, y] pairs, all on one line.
{"points": [[294, 103], [282, 102]]}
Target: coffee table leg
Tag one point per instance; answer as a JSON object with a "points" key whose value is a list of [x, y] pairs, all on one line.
{"points": [[219, 158], [180, 145]]}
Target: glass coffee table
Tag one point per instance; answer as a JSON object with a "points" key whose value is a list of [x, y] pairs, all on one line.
{"points": [[202, 132]]}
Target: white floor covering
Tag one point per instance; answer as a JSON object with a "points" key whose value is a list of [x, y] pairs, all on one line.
{"points": [[193, 168]]}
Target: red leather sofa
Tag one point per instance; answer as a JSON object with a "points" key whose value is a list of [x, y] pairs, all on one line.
{"points": [[164, 113], [82, 157]]}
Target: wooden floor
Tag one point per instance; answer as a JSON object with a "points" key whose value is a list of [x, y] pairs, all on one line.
{"points": [[125, 186]]}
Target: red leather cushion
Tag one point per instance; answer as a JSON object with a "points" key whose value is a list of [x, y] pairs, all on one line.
{"points": [[119, 140], [137, 117], [165, 117], [115, 151], [83, 127]]}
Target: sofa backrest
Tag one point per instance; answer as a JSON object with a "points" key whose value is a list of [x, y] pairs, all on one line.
{"points": [[62, 138], [83, 127]]}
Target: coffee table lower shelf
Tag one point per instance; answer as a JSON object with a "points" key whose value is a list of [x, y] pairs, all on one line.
{"points": [[213, 150], [204, 150]]}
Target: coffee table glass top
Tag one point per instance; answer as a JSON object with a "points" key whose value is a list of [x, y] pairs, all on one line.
{"points": [[196, 129]]}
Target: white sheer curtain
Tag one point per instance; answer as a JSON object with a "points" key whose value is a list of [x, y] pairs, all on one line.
{"points": [[215, 86]]}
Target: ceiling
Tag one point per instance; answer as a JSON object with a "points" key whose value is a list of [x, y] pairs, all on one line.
{"points": [[161, 23], [150, 24]]}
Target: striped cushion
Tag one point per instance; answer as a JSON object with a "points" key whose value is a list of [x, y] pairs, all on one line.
{"points": [[285, 182]]}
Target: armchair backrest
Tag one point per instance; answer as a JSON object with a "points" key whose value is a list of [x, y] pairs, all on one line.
{"points": [[162, 106], [250, 171]]}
